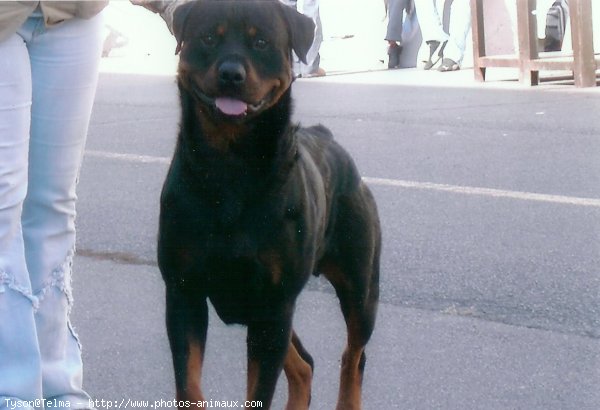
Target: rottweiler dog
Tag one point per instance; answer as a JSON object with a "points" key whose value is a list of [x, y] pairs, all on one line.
{"points": [[253, 204]]}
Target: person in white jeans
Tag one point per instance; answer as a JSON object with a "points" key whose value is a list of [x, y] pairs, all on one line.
{"points": [[438, 45], [48, 80], [309, 8]]}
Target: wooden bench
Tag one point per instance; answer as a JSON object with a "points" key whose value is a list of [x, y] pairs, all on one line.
{"points": [[582, 61]]}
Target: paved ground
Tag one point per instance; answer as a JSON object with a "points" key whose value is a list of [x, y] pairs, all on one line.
{"points": [[490, 201]]}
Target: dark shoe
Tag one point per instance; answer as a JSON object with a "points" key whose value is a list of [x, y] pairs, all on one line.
{"points": [[448, 65], [394, 52], [436, 52]]}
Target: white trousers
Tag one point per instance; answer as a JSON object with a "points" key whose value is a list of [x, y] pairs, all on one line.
{"points": [[48, 80], [310, 8], [430, 16]]}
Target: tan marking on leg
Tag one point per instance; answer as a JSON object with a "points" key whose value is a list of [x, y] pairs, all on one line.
{"points": [[299, 376], [350, 380], [253, 373], [193, 389]]}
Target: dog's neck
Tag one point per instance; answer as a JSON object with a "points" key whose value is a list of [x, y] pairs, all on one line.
{"points": [[265, 146]]}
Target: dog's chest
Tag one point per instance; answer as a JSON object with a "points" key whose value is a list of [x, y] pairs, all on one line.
{"points": [[241, 288], [236, 254]]}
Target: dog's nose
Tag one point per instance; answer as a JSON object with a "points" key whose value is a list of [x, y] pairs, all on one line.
{"points": [[232, 73]]}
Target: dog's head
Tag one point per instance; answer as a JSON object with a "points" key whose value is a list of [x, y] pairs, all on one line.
{"points": [[235, 55]]}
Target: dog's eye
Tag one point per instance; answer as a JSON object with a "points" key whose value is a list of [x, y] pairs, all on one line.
{"points": [[209, 40], [261, 44]]}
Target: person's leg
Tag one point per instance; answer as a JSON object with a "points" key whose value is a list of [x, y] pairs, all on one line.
{"points": [[64, 65], [394, 31], [430, 20], [395, 14], [20, 371], [310, 8], [432, 31], [460, 24], [556, 22]]}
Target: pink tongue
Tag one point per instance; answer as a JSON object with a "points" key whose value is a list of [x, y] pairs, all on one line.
{"points": [[231, 106]]}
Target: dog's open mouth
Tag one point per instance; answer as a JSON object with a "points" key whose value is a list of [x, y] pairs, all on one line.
{"points": [[236, 108], [229, 106]]}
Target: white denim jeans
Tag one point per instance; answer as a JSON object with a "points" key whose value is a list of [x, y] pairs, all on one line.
{"points": [[48, 80]]}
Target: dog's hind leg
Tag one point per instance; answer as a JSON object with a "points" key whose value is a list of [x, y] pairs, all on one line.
{"points": [[359, 312], [353, 270], [187, 324], [298, 367], [359, 309]]}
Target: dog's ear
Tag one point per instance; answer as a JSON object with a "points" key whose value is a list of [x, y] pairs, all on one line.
{"points": [[301, 30], [180, 16]]}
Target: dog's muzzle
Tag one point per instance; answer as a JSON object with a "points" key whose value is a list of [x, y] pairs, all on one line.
{"points": [[228, 106]]}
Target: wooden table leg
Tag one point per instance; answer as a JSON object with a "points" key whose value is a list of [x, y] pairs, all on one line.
{"points": [[584, 63], [527, 36], [478, 30]]}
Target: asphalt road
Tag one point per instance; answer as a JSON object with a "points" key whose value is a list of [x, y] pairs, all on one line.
{"points": [[490, 203]]}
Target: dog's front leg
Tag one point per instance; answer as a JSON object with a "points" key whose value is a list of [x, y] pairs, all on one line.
{"points": [[187, 323], [268, 342]]}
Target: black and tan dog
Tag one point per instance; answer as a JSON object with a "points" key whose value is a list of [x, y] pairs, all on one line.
{"points": [[253, 205]]}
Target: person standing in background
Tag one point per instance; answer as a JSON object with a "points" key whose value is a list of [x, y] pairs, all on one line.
{"points": [[395, 12], [440, 46], [310, 8], [556, 21], [49, 58], [312, 68]]}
